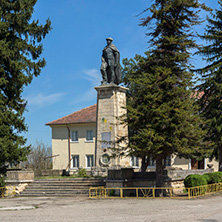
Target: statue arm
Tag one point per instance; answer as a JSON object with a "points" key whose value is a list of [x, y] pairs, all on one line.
{"points": [[116, 54]]}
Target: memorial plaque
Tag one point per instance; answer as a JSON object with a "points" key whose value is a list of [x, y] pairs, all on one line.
{"points": [[106, 140]]}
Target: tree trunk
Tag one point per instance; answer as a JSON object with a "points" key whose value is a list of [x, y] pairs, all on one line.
{"points": [[220, 159], [159, 175], [144, 164]]}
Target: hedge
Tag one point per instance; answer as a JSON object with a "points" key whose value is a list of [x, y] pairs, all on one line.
{"points": [[215, 177], [195, 180]]}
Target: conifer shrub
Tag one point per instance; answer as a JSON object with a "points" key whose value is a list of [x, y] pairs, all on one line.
{"points": [[195, 180]]}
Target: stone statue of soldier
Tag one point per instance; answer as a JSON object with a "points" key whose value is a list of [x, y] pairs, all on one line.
{"points": [[110, 68]]}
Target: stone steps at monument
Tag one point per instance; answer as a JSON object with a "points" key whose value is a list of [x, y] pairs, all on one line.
{"points": [[60, 187], [64, 187]]}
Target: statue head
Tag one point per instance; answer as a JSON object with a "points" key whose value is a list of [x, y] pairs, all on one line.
{"points": [[109, 40]]}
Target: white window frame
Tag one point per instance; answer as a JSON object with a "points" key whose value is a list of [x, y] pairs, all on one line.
{"points": [[87, 156], [151, 161], [72, 167], [133, 160], [91, 140], [76, 132]]}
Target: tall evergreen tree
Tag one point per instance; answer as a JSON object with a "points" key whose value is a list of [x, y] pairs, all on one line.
{"points": [[162, 117], [211, 86], [20, 51]]}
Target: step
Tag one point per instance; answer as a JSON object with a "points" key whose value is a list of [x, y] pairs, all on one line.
{"points": [[61, 187], [64, 184], [53, 195], [56, 191], [70, 180]]}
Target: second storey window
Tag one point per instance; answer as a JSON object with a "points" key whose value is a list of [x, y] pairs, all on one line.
{"points": [[74, 137], [89, 135]]}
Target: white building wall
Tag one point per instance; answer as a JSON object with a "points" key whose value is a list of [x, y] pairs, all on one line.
{"points": [[81, 147]]}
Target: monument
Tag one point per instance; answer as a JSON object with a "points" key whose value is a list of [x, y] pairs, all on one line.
{"points": [[111, 103]]}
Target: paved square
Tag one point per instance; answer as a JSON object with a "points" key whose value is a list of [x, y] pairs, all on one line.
{"points": [[208, 209]]}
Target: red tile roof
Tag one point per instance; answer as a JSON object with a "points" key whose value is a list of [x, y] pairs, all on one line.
{"points": [[86, 115]]}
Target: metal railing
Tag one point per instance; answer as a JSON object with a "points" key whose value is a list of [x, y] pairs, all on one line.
{"points": [[204, 190], [7, 191], [154, 192], [136, 192]]}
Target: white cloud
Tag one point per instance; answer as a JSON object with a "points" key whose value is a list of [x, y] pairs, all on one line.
{"points": [[41, 100], [93, 76]]}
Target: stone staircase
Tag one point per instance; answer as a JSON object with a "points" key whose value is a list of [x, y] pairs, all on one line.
{"points": [[61, 187]]}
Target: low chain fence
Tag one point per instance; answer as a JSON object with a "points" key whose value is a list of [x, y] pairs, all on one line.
{"points": [[154, 192], [7, 191]]}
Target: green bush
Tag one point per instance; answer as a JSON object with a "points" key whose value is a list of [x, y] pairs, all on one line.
{"points": [[215, 177], [82, 173], [2, 181], [195, 180], [2, 185], [207, 178]]}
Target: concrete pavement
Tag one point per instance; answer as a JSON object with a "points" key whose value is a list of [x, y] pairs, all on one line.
{"points": [[45, 209]]}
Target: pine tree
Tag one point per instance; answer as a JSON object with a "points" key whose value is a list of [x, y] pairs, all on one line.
{"points": [[162, 117], [211, 86], [20, 51]]}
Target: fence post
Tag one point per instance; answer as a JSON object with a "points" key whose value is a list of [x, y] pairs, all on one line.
{"points": [[188, 193], [153, 192], [121, 192], [105, 191], [137, 195]]}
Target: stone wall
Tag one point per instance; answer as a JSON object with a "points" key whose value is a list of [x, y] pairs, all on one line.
{"points": [[20, 176], [126, 177], [182, 174]]}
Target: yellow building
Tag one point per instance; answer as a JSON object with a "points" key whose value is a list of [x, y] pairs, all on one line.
{"points": [[73, 139]]}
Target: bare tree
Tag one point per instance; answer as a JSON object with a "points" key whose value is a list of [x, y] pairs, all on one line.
{"points": [[39, 159]]}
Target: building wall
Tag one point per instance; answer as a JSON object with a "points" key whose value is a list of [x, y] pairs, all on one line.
{"points": [[177, 162], [81, 147], [214, 162]]}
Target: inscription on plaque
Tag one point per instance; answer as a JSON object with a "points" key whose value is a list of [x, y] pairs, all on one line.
{"points": [[106, 140]]}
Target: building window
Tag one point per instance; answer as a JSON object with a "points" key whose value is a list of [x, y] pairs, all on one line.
{"points": [[89, 135], [134, 161], [89, 161], [75, 161], [151, 162], [75, 137], [167, 161]]}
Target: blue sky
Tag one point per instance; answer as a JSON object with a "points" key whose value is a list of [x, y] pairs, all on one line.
{"points": [[73, 53]]}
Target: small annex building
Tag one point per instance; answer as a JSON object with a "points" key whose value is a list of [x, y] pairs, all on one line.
{"points": [[73, 139], [74, 147]]}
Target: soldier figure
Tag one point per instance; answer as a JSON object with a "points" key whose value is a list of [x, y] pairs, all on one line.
{"points": [[110, 67]]}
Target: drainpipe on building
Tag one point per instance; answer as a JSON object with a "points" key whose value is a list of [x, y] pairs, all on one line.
{"points": [[69, 151]]}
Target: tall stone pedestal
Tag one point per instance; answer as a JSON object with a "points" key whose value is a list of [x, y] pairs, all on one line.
{"points": [[111, 103]]}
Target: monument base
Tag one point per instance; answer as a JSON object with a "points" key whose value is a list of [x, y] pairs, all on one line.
{"points": [[111, 106]]}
